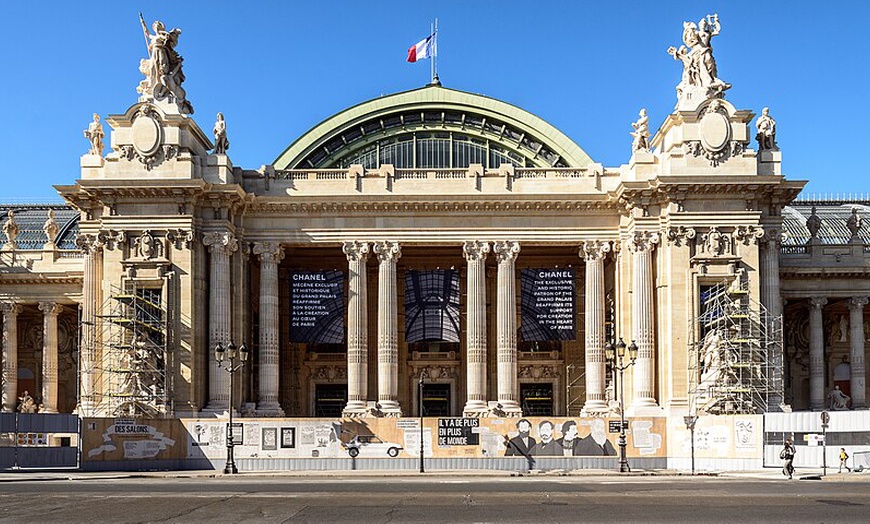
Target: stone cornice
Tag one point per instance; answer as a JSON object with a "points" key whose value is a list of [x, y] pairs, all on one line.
{"points": [[340, 205], [39, 279]]}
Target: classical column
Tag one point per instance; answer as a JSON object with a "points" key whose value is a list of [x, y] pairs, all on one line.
{"points": [[817, 354], [221, 245], [92, 281], [642, 245], [357, 329], [10, 356], [50, 311], [594, 252], [772, 300], [475, 331], [388, 334], [506, 328], [270, 255], [856, 352]]}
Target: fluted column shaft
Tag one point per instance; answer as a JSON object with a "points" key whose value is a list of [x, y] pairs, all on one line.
{"points": [[817, 354], [357, 328], [221, 246], [50, 311], [642, 245], [270, 255], [594, 253], [506, 327], [92, 280], [772, 300], [10, 356], [857, 381], [388, 335], [475, 255]]}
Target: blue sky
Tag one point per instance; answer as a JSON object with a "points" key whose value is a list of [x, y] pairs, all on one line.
{"points": [[276, 69]]}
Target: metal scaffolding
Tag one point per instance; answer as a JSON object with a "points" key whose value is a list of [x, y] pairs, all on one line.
{"points": [[735, 363], [133, 355]]}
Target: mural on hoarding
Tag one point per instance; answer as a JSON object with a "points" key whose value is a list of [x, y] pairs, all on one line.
{"points": [[386, 438]]}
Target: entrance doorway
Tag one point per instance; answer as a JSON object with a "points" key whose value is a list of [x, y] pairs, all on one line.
{"points": [[536, 400], [329, 400], [436, 400]]}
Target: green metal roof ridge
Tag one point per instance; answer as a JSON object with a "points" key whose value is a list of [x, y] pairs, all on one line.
{"points": [[566, 148]]}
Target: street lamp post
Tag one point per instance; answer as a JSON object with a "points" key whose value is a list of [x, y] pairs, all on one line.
{"points": [[420, 410], [615, 354], [229, 353], [690, 421]]}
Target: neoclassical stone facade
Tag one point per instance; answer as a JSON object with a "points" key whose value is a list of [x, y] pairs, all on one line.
{"points": [[167, 250]]}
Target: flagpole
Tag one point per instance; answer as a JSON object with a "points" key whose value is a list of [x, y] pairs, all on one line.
{"points": [[435, 78], [433, 30]]}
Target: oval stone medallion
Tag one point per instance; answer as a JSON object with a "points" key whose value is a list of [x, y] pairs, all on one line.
{"points": [[146, 135], [715, 131]]}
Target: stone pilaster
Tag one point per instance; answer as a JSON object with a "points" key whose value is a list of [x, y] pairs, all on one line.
{"points": [[10, 356], [221, 245], [388, 335], [856, 352], [506, 328], [641, 246], [50, 311], [267, 402], [357, 329], [772, 300], [594, 253], [817, 354], [92, 298], [475, 255]]}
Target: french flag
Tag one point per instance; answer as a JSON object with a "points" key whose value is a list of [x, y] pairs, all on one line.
{"points": [[423, 49]]}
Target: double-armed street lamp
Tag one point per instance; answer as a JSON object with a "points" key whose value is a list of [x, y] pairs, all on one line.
{"points": [[229, 354], [614, 353]]}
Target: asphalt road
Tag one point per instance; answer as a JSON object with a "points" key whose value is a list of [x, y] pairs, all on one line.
{"points": [[441, 499]]}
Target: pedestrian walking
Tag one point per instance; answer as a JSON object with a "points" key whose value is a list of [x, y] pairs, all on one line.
{"points": [[787, 455], [843, 458]]}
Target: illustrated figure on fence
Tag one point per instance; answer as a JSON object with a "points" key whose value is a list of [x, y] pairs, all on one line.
{"points": [[522, 444], [95, 134], [596, 443], [569, 439], [837, 400], [547, 446], [787, 456]]}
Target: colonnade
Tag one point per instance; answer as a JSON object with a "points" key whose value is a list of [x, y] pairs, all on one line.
{"points": [[817, 359], [507, 402], [47, 397]]}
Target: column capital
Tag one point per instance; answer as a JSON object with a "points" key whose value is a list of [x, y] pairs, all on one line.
{"points": [[594, 249], [772, 237], [88, 243], [643, 241], [50, 308], [388, 251], [269, 251], [857, 303], [356, 251], [475, 250], [506, 250], [10, 308], [221, 241], [818, 302]]}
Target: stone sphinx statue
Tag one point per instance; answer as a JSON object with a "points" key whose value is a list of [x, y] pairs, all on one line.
{"points": [[699, 65], [162, 68]]}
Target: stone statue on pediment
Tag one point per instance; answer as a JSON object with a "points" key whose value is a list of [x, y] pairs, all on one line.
{"points": [[94, 133], [221, 142], [162, 69], [696, 55], [10, 229], [766, 127], [640, 133]]}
